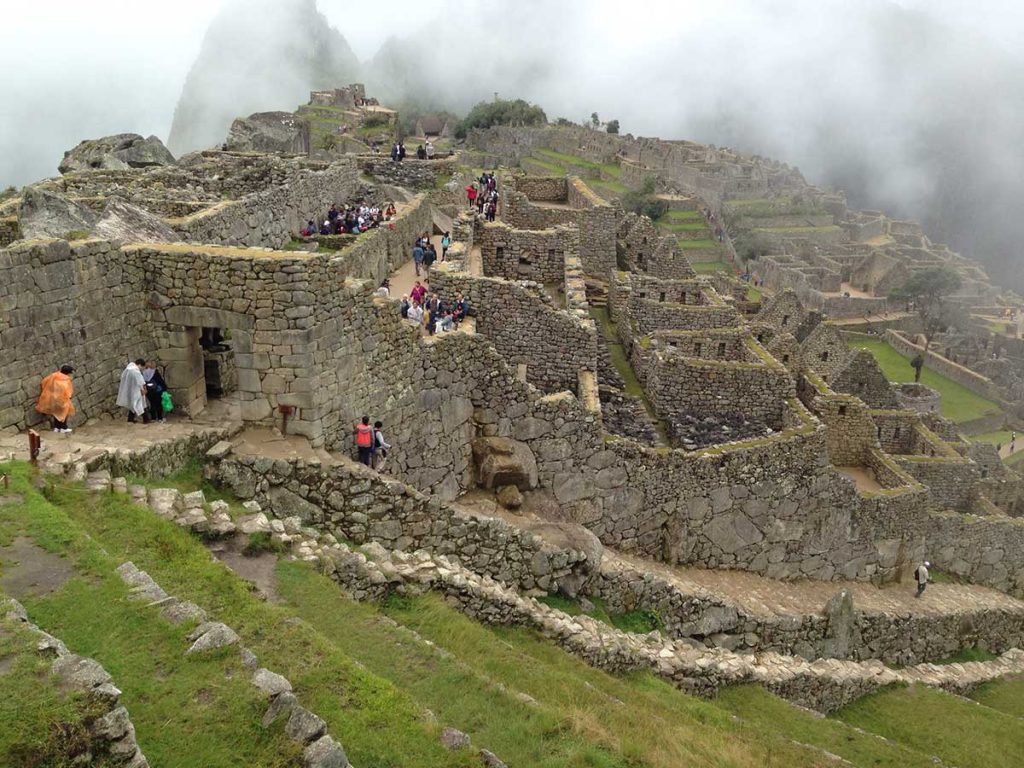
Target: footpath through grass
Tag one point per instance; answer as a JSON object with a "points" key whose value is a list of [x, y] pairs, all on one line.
{"points": [[958, 403]]}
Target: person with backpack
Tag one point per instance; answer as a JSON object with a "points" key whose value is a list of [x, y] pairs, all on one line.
{"points": [[429, 257], [446, 243], [417, 257], [921, 577], [364, 440], [155, 389], [380, 445]]}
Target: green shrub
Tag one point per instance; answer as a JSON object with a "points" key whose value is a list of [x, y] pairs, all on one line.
{"points": [[261, 542], [644, 201], [501, 112]]}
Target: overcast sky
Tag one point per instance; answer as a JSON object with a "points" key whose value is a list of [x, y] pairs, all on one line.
{"points": [[75, 69]]}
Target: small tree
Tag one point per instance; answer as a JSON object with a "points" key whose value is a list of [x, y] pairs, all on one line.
{"points": [[612, 126], [644, 201], [927, 290], [328, 142], [594, 119]]}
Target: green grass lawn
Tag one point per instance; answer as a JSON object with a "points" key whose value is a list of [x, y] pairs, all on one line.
{"points": [[684, 226], [1005, 695], [377, 724], [563, 159], [762, 710], [958, 403], [754, 294], [691, 216], [698, 244], [613, 187], [707, 267], [554, 168], [958, 732]]}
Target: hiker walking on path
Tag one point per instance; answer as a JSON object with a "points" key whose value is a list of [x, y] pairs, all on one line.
{"points": [[921, 577], [471, 195], [55, 394], [446, 243], [364, 440], [417, 257], [380, 445], [132, 392]]}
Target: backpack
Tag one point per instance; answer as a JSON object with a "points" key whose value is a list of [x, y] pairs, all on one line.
{"points": [[166, 402], [364, 436]]}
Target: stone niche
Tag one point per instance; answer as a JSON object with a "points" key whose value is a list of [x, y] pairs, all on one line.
{"points": [[501, 461]]}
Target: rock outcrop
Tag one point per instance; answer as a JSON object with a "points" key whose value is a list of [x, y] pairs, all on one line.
{"points": [[116, 153], [47, 214], [126, 223], [258, 54], [269, 132]]}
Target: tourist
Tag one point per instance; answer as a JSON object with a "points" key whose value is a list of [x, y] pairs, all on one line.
{"points": [[921, 577], [417, 257], [492, 211], [415, 315], [309, 230], [401, 151], [384, 290], [325, 228], [155, 388], [419, 291], [429, 257], [445, 323], [471, 195], [364, 440], [394, 152], [390, 212], [132, 393], [446, 243], [403, 308], [380, 446], [430, 150], [421, 153], [55, 394]]}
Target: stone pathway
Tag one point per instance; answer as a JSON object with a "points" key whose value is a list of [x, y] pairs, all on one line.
{"points": [[770, 598]]}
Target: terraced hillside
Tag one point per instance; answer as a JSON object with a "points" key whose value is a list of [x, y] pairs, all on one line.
{"points": [[385, 678]]}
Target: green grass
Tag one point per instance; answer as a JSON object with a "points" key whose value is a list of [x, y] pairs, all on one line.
{"points": [[696, 244], [614, 187], [563, 159], [1014, 459], [707, 267], [958, 732], [764, 711], [378, 725], [673, 215], [754, 294], [553, 168], [684, 226], [1005, 695], [958, 402]]}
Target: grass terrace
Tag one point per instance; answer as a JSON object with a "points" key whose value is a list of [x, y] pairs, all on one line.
{"points": [[708, 267], [958, 403]]}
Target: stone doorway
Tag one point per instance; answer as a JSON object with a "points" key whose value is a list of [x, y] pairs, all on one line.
{"points": [[206, 352]]}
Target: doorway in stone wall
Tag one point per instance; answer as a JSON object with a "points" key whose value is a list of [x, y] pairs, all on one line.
{"points": [[219, 367]]}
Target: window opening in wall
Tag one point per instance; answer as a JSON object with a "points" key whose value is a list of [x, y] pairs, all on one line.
{"points": [[842, 410], [643, 294], [721, 349], [785, 319], [785, 359], [895, 433], [673, 344], [682, 298], [661, 296], [760, 338], [879, 430], [218, 362], [696, 349], [551, 253], [824, 355], [499, 251]]}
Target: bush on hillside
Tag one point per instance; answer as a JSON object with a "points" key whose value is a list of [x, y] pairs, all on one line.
{"points": [[501, 112], [644, 201]]}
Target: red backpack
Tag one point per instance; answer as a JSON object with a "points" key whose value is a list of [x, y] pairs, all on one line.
{"points": [[364, 436]]}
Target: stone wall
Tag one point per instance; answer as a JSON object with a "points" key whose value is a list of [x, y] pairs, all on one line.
{"points": [[271, 216], [551, 189], [980, 385], [80, 304], [518, 254], [356, 504], [9, 230], [951, 482], [652, 315], [410, 173]]}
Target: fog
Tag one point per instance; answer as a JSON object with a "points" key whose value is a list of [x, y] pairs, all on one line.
{"points": [[916, 107]]}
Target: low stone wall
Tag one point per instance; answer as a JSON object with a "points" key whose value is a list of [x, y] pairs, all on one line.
{"points": [[354, 503], [517, 254], [839, 630], [9, 230], [951, 482], [410, 173], [652, 315], [980, 385], [551, 189], [983, 550]]}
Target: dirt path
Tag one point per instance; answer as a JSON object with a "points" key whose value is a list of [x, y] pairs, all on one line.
{"points": [[27, 570]]}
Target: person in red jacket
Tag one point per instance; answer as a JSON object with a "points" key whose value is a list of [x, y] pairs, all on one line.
{"points": [[471, 195], [364, 440]]}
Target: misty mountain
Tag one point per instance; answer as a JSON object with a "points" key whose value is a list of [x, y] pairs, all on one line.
{"points": [[258, 56]]}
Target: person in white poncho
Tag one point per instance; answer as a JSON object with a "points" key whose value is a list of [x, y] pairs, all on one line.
{"points": [[132, 393]]}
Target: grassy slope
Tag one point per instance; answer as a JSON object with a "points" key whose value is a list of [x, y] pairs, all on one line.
{"points": [[957, 731], [378, 725], [958, 402], [707, 267], [1006, 695], [763, 710]]}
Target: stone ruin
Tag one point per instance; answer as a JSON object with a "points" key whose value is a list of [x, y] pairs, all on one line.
{"points": [[751, 438]]}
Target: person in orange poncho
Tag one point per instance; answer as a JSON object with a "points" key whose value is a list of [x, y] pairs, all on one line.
{"points": [[55, 398]]}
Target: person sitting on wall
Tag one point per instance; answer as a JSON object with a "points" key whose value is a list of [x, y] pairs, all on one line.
{"points": [[384, 290], [309, 230], [55, 393], [325, 228], [445, 323], [390, 212]]}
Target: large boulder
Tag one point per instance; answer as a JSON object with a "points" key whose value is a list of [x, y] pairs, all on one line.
{"points": [[502, 461], [269, 132], [126, 223], [47, 214], [116, 153]]}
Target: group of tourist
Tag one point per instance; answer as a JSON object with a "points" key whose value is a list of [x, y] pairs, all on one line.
{"points": [[424, 253], [425, 151], [484, 199], [433, 313], [371, 446], [142, 392], [350, 220]]}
